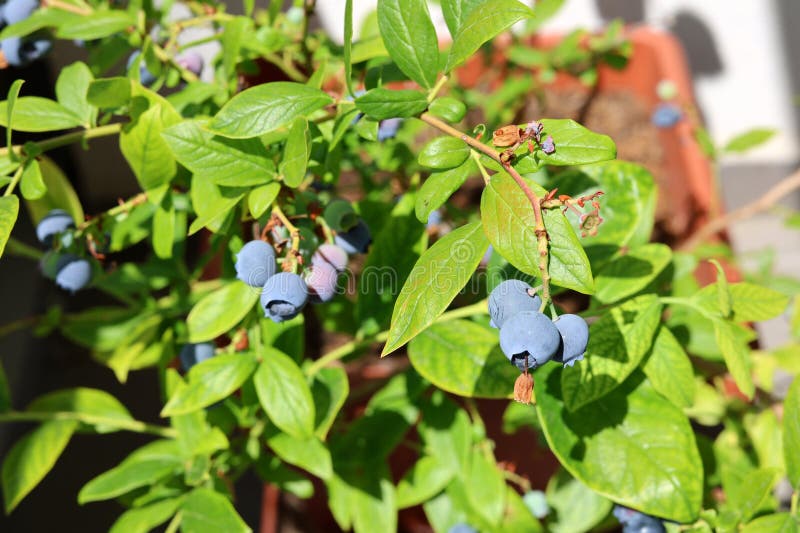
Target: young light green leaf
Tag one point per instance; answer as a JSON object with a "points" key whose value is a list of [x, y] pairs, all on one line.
{"points": [[755, 488], [723, 291], [220, 311], [481, 370], [309, 453], [71, 91], [60, 193], [736, 354], [145, 466], [210, 381], [260, 198], [146, 151], [791, 433], [443, 152], [329, 391], [749, 302], [35, 114], [212, 203], [163, 231], [234, 32], [483, 23], [263, 108], [421, 482], [456, 12], [32, 184], [447, 265], [565, 493], [410, 38], [772, 523], [94, 407], [42, 17], [228, 162], [296, 153], [749, 140], [109, 93], [669, 369], [9, 209], [439, 186], [204, 510], [617, 343], [366, 497], [575, 144], [348, 46], [641, 439], [284, 394], [631, 272], [11, 102], [32, 457], [99, 24], [381, 103], [146, 518]]}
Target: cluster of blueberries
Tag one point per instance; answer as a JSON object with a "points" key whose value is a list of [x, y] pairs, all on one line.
{"points": [[635, 522], [70, 271], [21, 51], [527, 337], [284, 294]]}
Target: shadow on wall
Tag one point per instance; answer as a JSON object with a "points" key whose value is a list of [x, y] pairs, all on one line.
{"points": [[698, 41], [631, 11]]}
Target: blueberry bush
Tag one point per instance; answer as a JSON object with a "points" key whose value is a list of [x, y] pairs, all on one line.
{"points": [[641, 383]]}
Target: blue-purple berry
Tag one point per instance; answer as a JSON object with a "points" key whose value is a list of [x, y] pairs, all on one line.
{"points": [[330, 254], [284, 296], [18, 10], [574, 338], [255, 263], [191, 61], [666, 115], [462, 528], [536, 502], [388, 128], [145, 76], [322, 281], [73, 273], [22, 51], [191, 354], [53, 223], [529, 339], [509, 298], [635, 522], [355, 240]]}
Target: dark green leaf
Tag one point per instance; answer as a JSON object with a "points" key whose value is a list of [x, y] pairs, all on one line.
{"points": [[364, 498], [749, 140], [410, 38], [95, 25], [32, 457], [791, 433], [71, 91], [266, 107], [624, 445], [284, 394], [220, 311], [669, 369], [483, 23], [447, 265], [632, 272], [463, 357], [109, 92], [228, 162], [5, 392], [204, 510], [309, 454], [447, 433], [438, 187], [329, 390], [32, 185], [9, 209], [273, 470], [617, 343], [296, 153], [421, 482], [211, 381], [146, 518], [381, 103], [443, 153], [33, 113]]}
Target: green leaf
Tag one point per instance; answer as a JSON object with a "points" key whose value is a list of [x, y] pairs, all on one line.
{"points": [[381, 103], [95, 25], [772, 523], [163, 231], [485, 487], [750, 495], [575, 145], [447, 265], [42, 17], [204, 510], [617, 343], [509, 223], [32, 184], [410, 38], [329, 391], [13, 93], [390, 261], [447, 108], [669, 369], [263, 108], [229, 162], [749, 140], [273, 470], [348, 46], [146, 518], [33, 113], [71, 91], [447, 433], [624, 445], [456, 11], [631, 272], [439, 186], [483, 23], [791, 433], [723, 290], [146, 151], [443, 153], [212, 203], [564, 494], [737, 356], [749, 302], [100, 409], [422, 482], [309, 453], [296, 153], [260, 198], [60, 194], [5, 392], [145, 466], [220, 311], [211, 381], [284, 394], [32, 457], [109, 93], [479, 371], [9, 209], [234, 32]]}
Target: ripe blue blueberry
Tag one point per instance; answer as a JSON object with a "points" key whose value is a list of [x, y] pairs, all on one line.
{"points": [[191, 354], [536, 502], [529, 339], [321, 281], [509, 298], [284, 296], [388, 128], [54, 222], [22, 51], [575, 336], [191, 61], [666, 115], [73, 273], [635, 522], [434, 219], [462, 528], [255, 263], [145, 76], [332, 255], [355, 240], [18, 10]]}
